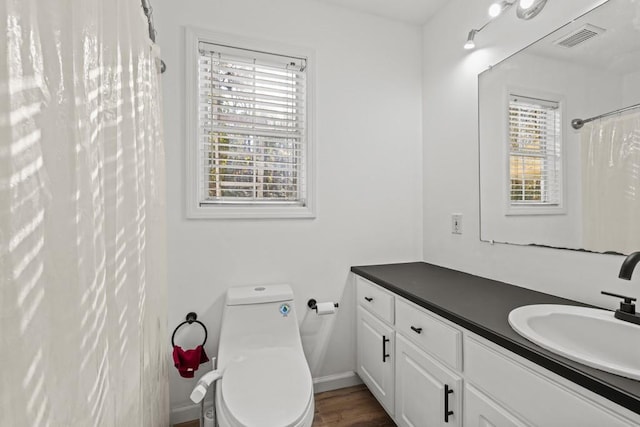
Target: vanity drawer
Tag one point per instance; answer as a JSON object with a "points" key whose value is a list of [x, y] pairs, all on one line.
{"points": [[375, 299], [429, 333], [521, 388]]}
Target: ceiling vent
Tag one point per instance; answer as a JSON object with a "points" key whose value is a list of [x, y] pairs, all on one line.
{"points": [[579, 36]]}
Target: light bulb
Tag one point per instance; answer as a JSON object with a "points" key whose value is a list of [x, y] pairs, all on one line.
{"points": [[470, 44], [529, 9], [495, 9], [526, 4]]}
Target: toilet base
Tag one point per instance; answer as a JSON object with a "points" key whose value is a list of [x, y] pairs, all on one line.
{"points": [[224, 421]]}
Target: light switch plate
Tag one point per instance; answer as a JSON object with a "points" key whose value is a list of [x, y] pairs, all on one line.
{"points": [[456, 223]]}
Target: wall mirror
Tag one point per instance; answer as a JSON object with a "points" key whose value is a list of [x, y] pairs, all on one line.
{"points": [[544, 181]]}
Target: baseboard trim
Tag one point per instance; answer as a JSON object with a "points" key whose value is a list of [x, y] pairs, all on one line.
{"points": [[190, 412], [336, 381]]}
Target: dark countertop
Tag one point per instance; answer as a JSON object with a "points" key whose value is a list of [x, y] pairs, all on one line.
{"points": [[482, 306]]}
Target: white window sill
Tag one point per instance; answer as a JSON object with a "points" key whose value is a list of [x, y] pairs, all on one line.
{"points": [[536, 210], [250, 212]]}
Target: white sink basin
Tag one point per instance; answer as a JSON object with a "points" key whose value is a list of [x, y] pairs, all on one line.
{"points": [[586, 335]]}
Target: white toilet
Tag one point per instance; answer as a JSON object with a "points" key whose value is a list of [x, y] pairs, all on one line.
{"points": [[266, 381]]}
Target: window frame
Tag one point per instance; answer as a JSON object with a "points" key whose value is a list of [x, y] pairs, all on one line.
{"points": [[534, 209], [245, 210]]}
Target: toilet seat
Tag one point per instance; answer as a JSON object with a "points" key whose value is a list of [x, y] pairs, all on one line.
{"points": [[267, 389]]}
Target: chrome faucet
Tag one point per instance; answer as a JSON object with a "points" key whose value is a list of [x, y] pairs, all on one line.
{"points": [[628, 265]]}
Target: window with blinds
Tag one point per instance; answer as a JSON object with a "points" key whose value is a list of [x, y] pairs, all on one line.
{"points": [[534, 152], [251, 127]]}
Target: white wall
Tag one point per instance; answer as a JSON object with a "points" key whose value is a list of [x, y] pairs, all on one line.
{"points": [[450, 128], [631, 83], [369, 182]]}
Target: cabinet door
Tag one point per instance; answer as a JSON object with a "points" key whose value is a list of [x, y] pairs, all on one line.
{"points": [[481, 411], [524, 389], [375, 357], [427, 393]]}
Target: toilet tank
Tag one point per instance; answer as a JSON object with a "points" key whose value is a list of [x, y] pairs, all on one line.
{"points": [[256, 318], [243, 295]]}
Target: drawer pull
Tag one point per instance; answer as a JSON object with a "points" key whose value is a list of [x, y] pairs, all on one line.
{"points": [[369, 299], [447, 412], [416, 330], [385, 340]]}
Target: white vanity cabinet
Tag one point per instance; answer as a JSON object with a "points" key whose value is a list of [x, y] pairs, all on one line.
{"points": [[440, 374], [376, 342], [408, 359], [428, 356], [430, 333], [427, 393], [481, 411], [523, 393]]}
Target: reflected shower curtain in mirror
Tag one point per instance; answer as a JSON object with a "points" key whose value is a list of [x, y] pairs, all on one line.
{"points": [[611, 183], [82, 233]]}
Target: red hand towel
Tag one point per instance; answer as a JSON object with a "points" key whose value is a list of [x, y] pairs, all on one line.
{"points": [[188, 361]]}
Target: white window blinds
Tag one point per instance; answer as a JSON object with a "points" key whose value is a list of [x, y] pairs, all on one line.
{"points": [[534, 152], [252, 114]]}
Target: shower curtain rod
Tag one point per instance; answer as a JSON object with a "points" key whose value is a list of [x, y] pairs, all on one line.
{"points": [[578, 123], [148, 12]]}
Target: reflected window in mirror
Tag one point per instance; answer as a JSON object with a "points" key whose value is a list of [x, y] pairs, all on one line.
{"points": [[535, 155]]}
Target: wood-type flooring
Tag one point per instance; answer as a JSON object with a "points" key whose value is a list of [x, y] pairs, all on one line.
{"points": [[346, 407]]}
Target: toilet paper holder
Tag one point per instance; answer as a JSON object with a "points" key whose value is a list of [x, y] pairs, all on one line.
{"points": [[313, 304]]}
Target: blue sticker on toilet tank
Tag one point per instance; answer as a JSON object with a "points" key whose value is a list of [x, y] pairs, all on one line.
{"points": [[285, 309]]}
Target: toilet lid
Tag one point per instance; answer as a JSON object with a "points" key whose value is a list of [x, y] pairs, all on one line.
{"points": [[265, 390]]}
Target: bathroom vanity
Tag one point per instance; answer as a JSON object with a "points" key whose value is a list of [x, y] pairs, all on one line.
{"points": [[435, 348]]}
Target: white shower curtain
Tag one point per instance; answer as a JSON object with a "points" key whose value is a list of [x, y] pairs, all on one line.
{"points": [[83, 338], [611, 183]]}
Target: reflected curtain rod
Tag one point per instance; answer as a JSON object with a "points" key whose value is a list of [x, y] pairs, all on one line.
{"points": [[148, 12], [578, 123]]}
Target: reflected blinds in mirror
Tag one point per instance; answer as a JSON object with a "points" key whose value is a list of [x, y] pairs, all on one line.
{"points": [[534, 152]]}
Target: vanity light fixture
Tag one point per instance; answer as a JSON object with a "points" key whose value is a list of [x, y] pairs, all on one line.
{"points": [[498, 7], [470, 44], [526, 9]]}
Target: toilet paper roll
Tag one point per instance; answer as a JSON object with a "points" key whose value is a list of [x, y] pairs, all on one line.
{"points": [[325, 308]]}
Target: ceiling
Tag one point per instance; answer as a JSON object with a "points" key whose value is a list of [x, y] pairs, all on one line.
{"points": [[411, 11]]}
